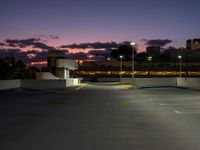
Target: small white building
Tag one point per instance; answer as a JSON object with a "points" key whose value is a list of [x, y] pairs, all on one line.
{"points": [[59, 65], [63, 67]]}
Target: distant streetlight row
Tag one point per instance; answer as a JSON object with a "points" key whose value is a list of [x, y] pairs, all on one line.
{"points": [[133, 64]]}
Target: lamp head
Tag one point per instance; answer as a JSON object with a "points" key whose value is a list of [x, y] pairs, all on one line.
{"points": [[133, 43]]}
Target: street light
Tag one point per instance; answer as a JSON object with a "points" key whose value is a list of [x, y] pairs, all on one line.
{"points": [[120, 67], [180, 59], [133, 64], [149, 59]]}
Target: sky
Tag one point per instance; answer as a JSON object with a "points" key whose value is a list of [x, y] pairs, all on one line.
{"points": [[63, 22]]}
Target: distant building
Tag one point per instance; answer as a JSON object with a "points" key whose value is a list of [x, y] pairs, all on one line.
{"points": [[173, 53], [193, 44], [195, 55], [153, 51]]}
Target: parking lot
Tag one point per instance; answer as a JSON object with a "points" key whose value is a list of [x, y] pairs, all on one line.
{"points": [[101, 116]]}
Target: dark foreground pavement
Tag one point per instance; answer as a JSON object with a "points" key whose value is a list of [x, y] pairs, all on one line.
{"points": [[101, 116]]}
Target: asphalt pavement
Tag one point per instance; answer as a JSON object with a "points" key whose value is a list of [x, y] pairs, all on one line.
{"points": [[100, 116]]}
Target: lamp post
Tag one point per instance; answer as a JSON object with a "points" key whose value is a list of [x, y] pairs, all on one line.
{"points": [[149, 59], [120, 67], [180, 59], [133, 64]]}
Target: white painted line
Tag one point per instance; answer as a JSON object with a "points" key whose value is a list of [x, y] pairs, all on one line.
{"points": [[162, 104], [188, 112], [177, 112], [80, 87]]}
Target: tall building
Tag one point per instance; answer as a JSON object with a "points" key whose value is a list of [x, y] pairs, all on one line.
{"points": [[193, 44]]}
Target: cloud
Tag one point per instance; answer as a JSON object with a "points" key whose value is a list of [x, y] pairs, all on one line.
{"points": [[96, 45], [54, 37], [35, 42], [16, 53], [157, 42], [97, 52], [51, 36], [40, 56], [105, 53], [101, 51], [2, 44], [79, 55], [43, 46], [65, 51], [21, 43], [24, 55]]}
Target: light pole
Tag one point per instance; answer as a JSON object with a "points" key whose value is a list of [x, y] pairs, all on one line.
{"points": [[120, 67], [180, 59], [133, 64], [149, 59]]}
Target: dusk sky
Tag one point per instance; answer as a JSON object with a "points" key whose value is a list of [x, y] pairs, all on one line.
{"points": [[62, 22]]}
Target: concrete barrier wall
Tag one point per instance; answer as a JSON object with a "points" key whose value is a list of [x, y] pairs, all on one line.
{"points": [[69, 82], [151, 82], [72, 82], [191, 83], [43, 84], [9, 84], [39, 84], [76, 81]]}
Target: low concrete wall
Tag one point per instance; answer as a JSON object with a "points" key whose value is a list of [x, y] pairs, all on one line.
{"points": [[39, 84], [76, 81], [151, 82], [9, 84], [43, 84], [191, 83], [73, 82], [69, 82]]}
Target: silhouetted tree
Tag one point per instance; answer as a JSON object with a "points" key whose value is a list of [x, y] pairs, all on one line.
{"points": [[10, 69], [142, 56]]}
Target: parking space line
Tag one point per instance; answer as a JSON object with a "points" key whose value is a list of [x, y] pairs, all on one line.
{"points": [[125, 86], [80, 87], [188, 112], [163, 104], [177, 112]]}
